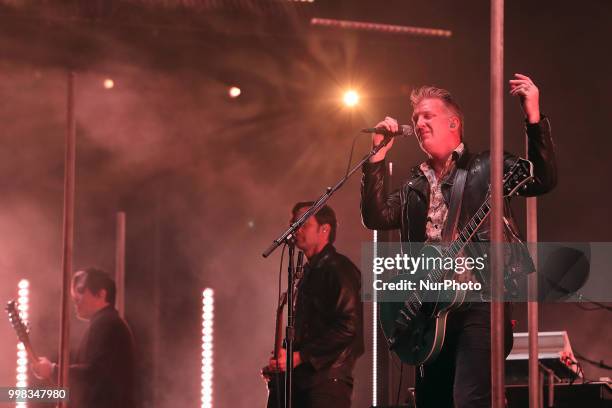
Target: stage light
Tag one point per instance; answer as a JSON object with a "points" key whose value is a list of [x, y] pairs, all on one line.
{"points": [[375, 323], [385, 28], [351, 98], [208, 302], [374, 332], [109, 83], [234, 92], [23, 290]]}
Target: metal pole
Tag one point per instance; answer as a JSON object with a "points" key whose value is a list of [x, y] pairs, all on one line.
{"points": [[156, 305], [532, 305], [497, 146], [120, 263], [68, 237]]}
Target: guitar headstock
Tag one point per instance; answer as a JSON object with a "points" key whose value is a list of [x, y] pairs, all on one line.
{"points": [[20, 328], [518, 177]]}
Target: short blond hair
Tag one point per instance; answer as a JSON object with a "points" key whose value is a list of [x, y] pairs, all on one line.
{"points": [[431, 92]]}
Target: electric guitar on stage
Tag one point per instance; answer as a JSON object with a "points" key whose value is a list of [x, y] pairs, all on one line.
{"points": [[276, 378], [21, 329], [415, 328], [23, 335]]}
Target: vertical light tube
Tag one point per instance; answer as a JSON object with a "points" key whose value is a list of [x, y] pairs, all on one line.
{"points": [[23, 290], [374, 333], [207, 347], [375, 363]]}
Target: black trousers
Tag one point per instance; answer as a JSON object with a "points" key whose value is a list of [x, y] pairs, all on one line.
{"points": [[332, 393], [461, 375], [327, 393]]}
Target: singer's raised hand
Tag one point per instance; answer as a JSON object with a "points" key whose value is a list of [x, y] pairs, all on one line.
{"points": [[390, 124], [529, 94]]}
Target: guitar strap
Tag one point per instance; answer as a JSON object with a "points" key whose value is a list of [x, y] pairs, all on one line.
{"points": [[455, 205]]}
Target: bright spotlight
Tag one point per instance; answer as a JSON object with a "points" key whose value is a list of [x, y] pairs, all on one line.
{"points": [[109, 83], [234, 92], [351, 98]]}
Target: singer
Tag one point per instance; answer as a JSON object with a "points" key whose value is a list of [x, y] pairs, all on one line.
{"points": [[329, 318], [423, 211]]}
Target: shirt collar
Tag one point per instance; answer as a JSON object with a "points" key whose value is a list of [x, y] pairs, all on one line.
{"points": [[104, 310], [321, 256], [455, 156], [458, 152]]}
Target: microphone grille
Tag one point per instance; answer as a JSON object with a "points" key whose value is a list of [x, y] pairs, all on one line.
{"points": [[406, 130]]}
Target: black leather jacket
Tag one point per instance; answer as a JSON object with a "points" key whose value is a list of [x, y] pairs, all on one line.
{"points": [[103, 374], [407, 207], [329, 319]]}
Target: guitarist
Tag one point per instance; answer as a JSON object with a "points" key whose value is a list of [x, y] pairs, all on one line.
{"points": [[103, 374], [329, 317], [460, 376]]}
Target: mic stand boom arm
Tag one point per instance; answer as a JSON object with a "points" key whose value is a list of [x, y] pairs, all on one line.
{"points": [[289, 234]]}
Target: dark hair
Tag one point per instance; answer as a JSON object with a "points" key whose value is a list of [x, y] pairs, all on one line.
{"points": [[324, 216], [95, 280]]}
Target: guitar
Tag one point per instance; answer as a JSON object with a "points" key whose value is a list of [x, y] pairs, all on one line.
{"points": [[20, 328], [415, 329], [276, 378]]}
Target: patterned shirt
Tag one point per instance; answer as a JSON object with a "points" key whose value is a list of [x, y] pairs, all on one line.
{"points": [[438, 210]]}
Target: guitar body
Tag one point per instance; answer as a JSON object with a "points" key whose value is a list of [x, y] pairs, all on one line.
{"points": [[422, 339], [276, 389]]}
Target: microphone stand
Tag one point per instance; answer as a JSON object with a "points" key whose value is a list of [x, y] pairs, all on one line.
{"points": [[288, 237], [290, 330]]}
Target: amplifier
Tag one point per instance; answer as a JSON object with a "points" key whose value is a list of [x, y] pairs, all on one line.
{"points": [[554, 353], [591, 395]]}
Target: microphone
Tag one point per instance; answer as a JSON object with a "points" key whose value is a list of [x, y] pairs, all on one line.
{"points": [[403, 131]]}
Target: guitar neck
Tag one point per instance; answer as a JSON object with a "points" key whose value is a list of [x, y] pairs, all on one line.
{"points": [[32, 356], [278, 338], [469, 230], [20, 329], [278, 331], [519, 175]]}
